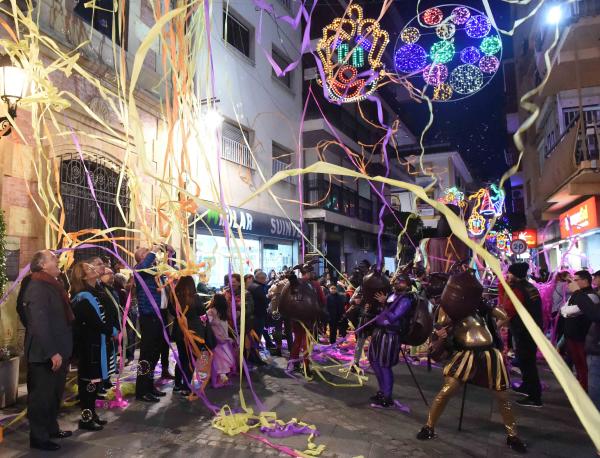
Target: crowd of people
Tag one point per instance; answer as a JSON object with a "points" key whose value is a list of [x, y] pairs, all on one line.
{"points": [[99, 315]]}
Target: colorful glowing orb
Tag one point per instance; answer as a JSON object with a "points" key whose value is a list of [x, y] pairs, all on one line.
{"points": [[466, 79], [489, 64], [442, 52], [478, 26], [435, 74], [445, 31], [470, 55], [433, 16], [460, 15], [410, 35], [410, 58], [491, 45], [442, 92]]}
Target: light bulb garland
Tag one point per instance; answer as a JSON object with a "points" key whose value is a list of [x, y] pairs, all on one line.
{"points": [[350, 50], [463, 40]]}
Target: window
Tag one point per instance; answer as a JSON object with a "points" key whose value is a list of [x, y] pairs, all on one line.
{"points": [[234, 148], [236, 34], [283, 62], [282, 160], [105, 16]]}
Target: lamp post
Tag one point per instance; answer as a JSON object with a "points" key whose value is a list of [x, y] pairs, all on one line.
{"points": [[13, 87]]}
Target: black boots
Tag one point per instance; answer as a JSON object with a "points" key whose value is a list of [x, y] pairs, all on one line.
{"points": [[516, 444], [89, 426], [426, 433]]}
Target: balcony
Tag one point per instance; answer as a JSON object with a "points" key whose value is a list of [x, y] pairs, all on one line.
{"points": [[571, 167], [237, 153], [577, 56], [280, 166]]}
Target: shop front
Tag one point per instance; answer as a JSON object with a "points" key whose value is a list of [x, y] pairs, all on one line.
{"points": [[268, 242], [579, 246]]}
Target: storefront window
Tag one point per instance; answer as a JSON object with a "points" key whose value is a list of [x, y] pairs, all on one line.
{"points": [[214, 252], [277, 255]]}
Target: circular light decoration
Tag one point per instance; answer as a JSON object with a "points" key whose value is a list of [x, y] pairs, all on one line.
{"points": [[455, 62], [351, 50], [442, 52], [410, 58], [433, 16], [460, 15], [478, 26], [442, 92], [489, 64], [466, 79], [410, 35], [490, 45], [445, 31], [435, 74], [470, 55]]}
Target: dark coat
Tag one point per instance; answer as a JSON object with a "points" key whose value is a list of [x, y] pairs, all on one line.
{"points": [[90, 331], [192, 314], [335, 306], [48, 331], [577, 327], [259, 297], [144, 303]]}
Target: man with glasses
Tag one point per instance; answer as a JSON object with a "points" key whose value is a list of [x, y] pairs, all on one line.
{"points": [[577, 322]]}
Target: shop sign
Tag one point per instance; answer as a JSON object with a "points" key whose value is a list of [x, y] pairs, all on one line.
{"points": [[579, 219], [250, 222], [528, 235]]}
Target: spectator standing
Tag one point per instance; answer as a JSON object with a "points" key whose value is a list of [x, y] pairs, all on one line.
{"points": [[92, 333], [150, 325], [48, 347], [112, 309], [577, 323], [335, 308], [525, 347], [596, 281], [223, 363], [259, 289]]}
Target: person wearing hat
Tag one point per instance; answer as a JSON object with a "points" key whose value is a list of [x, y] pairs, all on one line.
{"points": [[390, 325], [525, 347]]}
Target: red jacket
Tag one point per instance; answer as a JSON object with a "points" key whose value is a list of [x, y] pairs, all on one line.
{"points": [[505, 301]]}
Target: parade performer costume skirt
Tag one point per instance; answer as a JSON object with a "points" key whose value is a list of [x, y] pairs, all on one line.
{"points": [[384, 348], [481, 367]]}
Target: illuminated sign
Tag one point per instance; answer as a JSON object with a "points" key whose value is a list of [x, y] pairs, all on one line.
{"points": [[528, 235], [579, 219]]}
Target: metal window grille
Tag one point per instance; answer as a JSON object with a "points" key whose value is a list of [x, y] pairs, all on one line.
{"points": [[104, 15], [283, 62], [234, 148], [80, 207]]}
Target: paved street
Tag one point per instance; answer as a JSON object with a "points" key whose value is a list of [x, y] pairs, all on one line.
{"points": [[348, 425]]}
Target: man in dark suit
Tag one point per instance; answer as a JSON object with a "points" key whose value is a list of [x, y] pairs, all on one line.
{"points": [[48, 347]]}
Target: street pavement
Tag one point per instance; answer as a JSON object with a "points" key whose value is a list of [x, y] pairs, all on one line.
{"points": [[348, 426]]}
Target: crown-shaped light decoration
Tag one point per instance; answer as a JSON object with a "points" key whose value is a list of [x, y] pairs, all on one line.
{"points": [[497, 196], [351, 51]]}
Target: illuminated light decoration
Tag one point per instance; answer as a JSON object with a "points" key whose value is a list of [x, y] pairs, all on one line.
{"points": [[491, 45], [435, 74], [433, 16], [410, 35], [466, 79], [352, 63], [470, 55], [363, 42], [478, 26], [460, 15], [453, 196], [445, 31], [497, 196], [442, 52], [410, 58], [502, 241], [442, 92], [454, 45], [476, 224], [489, 64]]}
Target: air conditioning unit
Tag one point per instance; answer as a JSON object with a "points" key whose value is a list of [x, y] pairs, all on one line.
{"points": [[313, 237]]}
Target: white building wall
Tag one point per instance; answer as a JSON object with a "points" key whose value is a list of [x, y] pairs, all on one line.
{"points": [[247, 92]]}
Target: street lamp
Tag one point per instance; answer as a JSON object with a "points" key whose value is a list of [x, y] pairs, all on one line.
{"points": [[554, 14], [214, 119], [13, 87]]}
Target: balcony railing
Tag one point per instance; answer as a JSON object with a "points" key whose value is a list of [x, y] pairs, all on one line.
{"points": [[237, 152], [279, 166], [587, 142]]}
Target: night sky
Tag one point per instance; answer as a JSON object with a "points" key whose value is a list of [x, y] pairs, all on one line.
{"points": [[475, 125]]}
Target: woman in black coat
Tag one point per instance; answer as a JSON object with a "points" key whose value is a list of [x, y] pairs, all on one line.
{"points": [[91, 333], [187, 310]]}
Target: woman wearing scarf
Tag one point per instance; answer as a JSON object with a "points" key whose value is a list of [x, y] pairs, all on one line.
{"points": [[92, 331]]}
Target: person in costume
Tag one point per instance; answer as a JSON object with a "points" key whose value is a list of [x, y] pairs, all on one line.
{"points": [[92, 332], [464, 323], [390, 325], [223, 362]]}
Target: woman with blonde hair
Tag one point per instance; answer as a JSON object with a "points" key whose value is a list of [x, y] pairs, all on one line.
{"points": [[91, 333]]}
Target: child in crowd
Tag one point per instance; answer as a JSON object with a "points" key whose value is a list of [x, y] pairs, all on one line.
{"points": [[223, 362]]}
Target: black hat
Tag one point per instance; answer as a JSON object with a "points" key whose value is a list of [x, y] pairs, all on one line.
{"points": [[519, 269], [401, 276]]}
